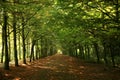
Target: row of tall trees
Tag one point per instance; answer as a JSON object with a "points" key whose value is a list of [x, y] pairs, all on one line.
{"points": [[24, 33], [92, 29], [37, 28]]}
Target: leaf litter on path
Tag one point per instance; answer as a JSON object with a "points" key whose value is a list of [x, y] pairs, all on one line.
{"points": [[60, 67]]}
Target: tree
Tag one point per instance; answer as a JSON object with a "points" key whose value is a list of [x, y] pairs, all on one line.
{"points": [[23, 41], [5, 24], [15, 35]]}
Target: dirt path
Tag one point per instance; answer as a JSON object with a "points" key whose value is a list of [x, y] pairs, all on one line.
{"points": [[60, 67]]}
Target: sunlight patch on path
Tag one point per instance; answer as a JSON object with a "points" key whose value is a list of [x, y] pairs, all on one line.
{"points": [[59, 67]]}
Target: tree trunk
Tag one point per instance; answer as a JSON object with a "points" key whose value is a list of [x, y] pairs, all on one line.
{"points": [[81, 52], [112, 55], [88, 51], [76, 53], [46, 48], [51, 50], [5, 17], [19, 43], [32, 51], [42, 47], [23, 41], [105, 54], [9, 44], [3, 46], [37, 50], [97, 52], [28, 48], [15, 40]]}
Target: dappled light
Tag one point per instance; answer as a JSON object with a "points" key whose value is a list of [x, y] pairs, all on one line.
{"points": [[59, 51], [60, 67], [17, 78], [59, 39]]}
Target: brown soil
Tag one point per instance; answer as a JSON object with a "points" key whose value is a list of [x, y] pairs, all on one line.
{"points": [[60, 67]]}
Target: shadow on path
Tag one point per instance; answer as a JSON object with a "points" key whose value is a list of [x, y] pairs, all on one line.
{"points": [[60, 67]]}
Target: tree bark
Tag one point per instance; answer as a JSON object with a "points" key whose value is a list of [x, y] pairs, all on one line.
{"points": [[3, 46], [5, 17], [37, 50], [15, 40], [19, 43], [32, 51], [105, 54], [23, 41], [112, 55], [97, 52], [9, 45]]}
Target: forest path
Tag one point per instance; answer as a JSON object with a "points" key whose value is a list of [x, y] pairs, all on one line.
{"points": [[60, 67]]}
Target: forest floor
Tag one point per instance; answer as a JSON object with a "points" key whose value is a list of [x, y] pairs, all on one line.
{"points": [[60, 67]]}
